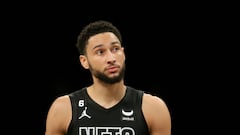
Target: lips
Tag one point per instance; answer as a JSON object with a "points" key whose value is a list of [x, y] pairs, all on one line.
{"points": [[112, 68]]}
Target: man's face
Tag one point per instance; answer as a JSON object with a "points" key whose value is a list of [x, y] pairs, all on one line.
{"points": [[105, 58]]}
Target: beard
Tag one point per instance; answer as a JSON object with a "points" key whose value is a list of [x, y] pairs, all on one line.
{"points": [[109, 80]]}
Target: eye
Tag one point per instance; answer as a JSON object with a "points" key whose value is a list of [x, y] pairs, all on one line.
{"points": [[99, 52], [115, 49]]}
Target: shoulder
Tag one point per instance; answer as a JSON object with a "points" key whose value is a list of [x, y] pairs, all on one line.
{"points": [[60, 102], [156, 112], [150, 99], [59, 114], [151, 102], [61, 106]]}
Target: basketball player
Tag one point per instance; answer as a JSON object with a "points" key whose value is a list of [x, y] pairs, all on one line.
{"points": [[107, 106]]}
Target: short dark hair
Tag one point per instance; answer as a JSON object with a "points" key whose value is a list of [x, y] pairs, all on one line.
{"points": [[92, 29]]}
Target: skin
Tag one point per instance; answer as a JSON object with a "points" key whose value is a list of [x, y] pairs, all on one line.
{"points": [[105, 55]]}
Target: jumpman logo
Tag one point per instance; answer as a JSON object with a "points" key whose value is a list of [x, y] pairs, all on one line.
{"points": [[84, 113]]}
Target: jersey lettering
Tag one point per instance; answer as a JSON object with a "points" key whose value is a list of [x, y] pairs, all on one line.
{"points": [[106, 131]]}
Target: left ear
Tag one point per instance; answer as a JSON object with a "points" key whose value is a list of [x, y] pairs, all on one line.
{"points": [[123, 52], [84, 61]]}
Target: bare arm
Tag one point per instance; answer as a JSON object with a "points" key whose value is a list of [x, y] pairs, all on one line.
{"points": [[59, 116], [157, 115]]}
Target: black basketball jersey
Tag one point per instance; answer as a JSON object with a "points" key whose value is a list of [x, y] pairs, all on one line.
{"points": [[125, 118]]}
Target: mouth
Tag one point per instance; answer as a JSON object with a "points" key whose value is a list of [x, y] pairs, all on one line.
{"points": [[112, 69]]}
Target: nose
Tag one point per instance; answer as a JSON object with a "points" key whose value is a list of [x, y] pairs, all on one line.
{"points": [[110, 57]]}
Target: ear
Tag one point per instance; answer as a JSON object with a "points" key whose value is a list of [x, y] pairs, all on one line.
{"points": [[123, 52], [84, 61]]}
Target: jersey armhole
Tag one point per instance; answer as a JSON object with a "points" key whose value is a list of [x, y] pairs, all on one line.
{"points": [[140, 96], [73, 118]]}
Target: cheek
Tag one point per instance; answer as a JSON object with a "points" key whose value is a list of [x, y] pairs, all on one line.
{"points": [[95, 62]]}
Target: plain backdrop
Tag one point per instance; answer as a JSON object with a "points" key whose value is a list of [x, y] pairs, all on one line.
{"points": [[166, 55]]}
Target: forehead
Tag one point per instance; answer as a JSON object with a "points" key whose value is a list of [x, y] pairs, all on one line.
{"points": [[102, 38]]}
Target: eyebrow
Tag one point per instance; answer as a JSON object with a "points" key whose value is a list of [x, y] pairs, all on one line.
{"points": [[113, 43]]}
